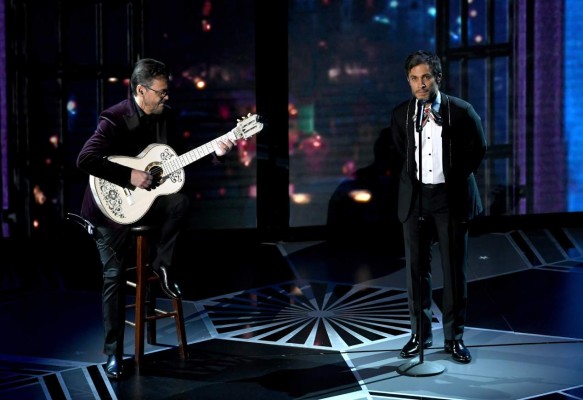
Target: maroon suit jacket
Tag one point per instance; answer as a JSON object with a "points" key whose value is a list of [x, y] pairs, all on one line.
{"points": [[122, 130]]}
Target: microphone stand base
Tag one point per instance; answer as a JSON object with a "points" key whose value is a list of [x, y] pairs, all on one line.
{"points": [[417, 368]]}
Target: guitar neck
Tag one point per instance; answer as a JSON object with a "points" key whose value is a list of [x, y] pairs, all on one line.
{"points": [[176, 163]]}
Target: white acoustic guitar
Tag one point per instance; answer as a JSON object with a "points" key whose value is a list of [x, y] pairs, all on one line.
{"points": [[128, 205]]}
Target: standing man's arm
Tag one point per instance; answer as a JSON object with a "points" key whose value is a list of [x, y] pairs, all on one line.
{"points": [[477, 145]]}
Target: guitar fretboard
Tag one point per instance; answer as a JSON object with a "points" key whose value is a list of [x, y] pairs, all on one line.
{"points": [[176, 163]]}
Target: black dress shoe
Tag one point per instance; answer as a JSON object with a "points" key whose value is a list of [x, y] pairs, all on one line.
{"points": [[114, 367], [169, 288], [459, 352], [411, 349]]}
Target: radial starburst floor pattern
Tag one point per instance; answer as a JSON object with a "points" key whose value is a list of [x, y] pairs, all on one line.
{"points": [[316, 314]]}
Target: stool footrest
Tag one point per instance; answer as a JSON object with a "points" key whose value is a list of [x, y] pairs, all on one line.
{"points": [[161, 315]]}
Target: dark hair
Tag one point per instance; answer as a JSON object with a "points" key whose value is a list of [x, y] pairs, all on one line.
{"points": [[424, 57], [145, 71]]}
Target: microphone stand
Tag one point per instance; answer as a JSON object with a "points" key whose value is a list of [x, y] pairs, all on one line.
{"points": [[420, 367]]}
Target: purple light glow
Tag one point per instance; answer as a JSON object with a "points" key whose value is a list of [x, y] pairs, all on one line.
{"points": [[3, 121]]}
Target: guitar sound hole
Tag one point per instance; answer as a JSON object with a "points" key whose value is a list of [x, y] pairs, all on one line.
{"points": [[156, 172]]}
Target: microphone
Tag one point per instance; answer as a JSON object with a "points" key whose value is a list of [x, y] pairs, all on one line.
{"points": [[420, 106]]}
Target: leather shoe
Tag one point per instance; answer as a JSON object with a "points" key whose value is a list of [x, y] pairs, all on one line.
{"points": [[459, 352], [113, 367], [169, 288], [411, 349]]}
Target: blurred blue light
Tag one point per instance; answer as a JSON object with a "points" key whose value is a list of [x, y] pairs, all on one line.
{"points": [[381, 19]]}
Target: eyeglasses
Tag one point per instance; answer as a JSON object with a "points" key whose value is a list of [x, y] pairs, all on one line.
{"points": [[162, 93]]}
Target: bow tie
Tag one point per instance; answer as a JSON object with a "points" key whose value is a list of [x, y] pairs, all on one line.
{"points": [[434, 115], [430, 114]]}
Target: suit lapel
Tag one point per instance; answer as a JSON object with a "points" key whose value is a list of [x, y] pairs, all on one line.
{"points": [[131, 118]]}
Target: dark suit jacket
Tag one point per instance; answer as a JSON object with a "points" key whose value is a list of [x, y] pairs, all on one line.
{"points": [[464, 147]]}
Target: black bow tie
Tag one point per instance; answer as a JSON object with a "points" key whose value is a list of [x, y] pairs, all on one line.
{"points": [[430, 114], [436, 117]]}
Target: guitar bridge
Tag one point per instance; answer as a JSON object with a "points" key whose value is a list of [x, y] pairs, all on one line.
{"points": [[129, 197]]}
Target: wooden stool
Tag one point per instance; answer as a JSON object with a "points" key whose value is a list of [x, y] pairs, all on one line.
{"points": [[146, 312]]}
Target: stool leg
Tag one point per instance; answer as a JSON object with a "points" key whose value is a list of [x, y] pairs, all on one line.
{"points": [[151, 312], [141, 283], [180, 328]]}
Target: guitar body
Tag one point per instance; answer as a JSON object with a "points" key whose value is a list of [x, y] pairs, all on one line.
{"points": [[126, 206]]}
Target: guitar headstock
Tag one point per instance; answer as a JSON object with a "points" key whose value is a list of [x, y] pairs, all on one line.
{"points": [[248, 126]]}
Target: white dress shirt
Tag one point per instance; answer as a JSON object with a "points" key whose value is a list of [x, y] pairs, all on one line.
{"points": [[431, 149]]}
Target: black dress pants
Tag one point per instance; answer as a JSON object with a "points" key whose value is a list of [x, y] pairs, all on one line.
{"points": [[428, 224]]}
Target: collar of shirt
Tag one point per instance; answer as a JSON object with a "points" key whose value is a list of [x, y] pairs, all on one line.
{"points": [[436, 104]]}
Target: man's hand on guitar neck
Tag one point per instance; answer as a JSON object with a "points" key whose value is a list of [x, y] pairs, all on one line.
{"points": [[223, 147]]}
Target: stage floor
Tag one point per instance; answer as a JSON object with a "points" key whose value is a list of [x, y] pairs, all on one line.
{"points": [[327, 321]]}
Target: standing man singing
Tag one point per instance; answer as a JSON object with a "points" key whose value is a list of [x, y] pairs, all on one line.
{"points": [[452, 147], [126, 129]]}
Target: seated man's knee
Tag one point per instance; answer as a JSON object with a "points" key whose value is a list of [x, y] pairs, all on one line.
{"points": [[113, 274], [180, 203]]}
